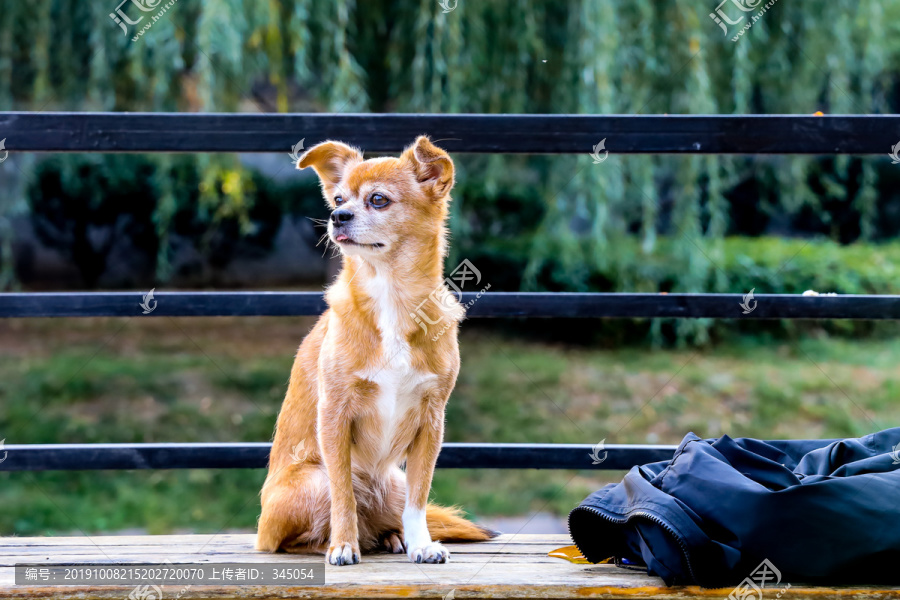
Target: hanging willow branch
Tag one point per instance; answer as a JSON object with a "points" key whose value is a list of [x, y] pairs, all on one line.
{"points": [[641, 56]]}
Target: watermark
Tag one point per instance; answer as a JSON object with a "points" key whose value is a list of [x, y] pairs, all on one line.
{"points": [[296, 149], [895, 454], [299, 453], [122, 20], [150, 577], [601, 145], [749, 304], [894, 153], [146, 592], [747, 6], [149, 304], [5, 453], [443, 298], [595, 452], [753, 586], [445, 4], [5, 152], [154, 592]]}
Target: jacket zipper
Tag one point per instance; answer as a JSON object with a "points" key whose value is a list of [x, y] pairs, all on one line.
{"points": [[651, 517]]}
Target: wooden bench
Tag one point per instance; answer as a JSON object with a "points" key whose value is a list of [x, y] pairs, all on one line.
{"points": [[512, 566]]}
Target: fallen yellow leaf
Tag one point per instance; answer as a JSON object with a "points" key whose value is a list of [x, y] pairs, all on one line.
{"points": [[569, 553]]}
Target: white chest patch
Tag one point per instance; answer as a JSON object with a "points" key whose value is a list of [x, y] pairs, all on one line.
{"points": [[400, 386]]}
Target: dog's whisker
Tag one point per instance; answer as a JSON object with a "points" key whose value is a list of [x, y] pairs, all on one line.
{"points": [[328, 243]]}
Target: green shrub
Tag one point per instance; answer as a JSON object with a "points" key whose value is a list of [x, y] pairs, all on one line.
{"points": [[768, 265]]}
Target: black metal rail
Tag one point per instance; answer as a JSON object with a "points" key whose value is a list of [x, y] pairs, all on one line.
{"points": [[489, 305], [76, 457], [514, 134]]}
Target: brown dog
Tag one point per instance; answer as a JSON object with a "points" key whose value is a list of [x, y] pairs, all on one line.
{"points": [[369, 385]]}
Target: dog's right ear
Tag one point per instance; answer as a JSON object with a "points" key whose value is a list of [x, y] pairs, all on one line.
{"points": [[330, 160], [432, 165]]}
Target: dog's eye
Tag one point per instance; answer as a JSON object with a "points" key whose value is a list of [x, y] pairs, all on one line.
{"points": [[338, 200], [379, 201]]}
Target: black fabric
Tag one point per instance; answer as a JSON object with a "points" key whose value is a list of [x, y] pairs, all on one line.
{"points": [[820, 511]]}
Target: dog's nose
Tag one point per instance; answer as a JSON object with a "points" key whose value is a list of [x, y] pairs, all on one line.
{"points": [[341, 216]]}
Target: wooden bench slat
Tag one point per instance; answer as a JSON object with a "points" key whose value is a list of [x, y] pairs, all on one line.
{"points": [[49, 457], [199, 550], [241, 539], [511, 566], [483, 133], [560, 305]]}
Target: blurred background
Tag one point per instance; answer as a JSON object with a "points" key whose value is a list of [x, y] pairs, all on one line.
{"points": [[637, 223]]}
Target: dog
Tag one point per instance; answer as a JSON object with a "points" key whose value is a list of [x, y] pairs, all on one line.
{"points": [[369, 386]]}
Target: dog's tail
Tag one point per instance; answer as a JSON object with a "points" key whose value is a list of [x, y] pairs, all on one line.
{"points": [[446, 524]]}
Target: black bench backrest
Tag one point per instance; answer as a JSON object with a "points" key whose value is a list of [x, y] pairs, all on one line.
{"points": [[513, 134]]}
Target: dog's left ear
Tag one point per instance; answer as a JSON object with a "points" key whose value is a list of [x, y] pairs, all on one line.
{"points": [[330, 160], [433, 167]]}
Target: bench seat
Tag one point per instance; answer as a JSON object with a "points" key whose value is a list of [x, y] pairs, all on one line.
{"points": [[511, 566]]}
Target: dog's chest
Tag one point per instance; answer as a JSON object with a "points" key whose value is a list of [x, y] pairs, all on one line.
{"points": [[400, 392], [401, 387]]}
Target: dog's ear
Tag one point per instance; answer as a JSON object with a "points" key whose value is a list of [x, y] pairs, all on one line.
{"points": [[330, 160], [433, 167]]}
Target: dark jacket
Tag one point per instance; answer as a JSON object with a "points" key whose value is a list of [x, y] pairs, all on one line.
{"points": [[818, 510]]}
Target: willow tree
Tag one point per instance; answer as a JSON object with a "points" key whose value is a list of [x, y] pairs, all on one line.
{"points": [[582, 56]]}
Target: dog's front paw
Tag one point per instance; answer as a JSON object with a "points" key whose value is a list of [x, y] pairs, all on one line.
{"points": [[431, 553], [342, 553]]}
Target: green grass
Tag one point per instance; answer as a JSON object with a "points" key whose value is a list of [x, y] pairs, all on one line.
{"points": [[146, 380]]}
